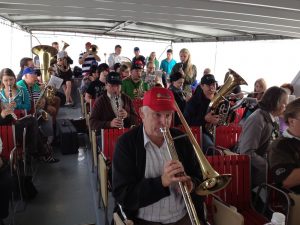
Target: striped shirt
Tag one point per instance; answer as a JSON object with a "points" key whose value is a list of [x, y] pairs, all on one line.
{"points": [[87, 62], [171, 208]]}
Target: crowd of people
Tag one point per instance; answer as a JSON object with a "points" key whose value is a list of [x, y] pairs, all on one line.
{"points": [[144, 177]]}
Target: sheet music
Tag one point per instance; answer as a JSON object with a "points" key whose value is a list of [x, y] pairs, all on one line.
{"points": [[55, 82]]}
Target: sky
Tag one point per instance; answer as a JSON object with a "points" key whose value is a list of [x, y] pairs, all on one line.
{"points": [[276, 61]]}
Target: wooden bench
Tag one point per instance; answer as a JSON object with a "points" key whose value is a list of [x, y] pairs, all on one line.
{"points": [[238, 192]]}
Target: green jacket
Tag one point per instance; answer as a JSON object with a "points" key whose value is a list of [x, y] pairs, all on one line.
{"points": [[134, 90]]}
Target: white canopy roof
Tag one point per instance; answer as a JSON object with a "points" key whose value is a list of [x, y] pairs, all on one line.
{"points": [[171, 20]]}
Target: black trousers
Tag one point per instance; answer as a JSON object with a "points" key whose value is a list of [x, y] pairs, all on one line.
{"points": [[5, 191], [32, 133]]}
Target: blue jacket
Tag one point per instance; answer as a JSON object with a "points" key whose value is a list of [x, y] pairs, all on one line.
{"points": [[21, 98]]}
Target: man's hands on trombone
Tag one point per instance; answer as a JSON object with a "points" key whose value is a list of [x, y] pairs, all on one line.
{"points": [[174, 173]]}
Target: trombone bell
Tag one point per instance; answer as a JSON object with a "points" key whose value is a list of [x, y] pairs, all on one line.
{"points": [[213, 184]]}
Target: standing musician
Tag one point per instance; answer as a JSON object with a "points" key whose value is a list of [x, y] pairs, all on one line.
{"points": [[196, 108], [113, 109], [187, 69], [145, 179], [87, 58], [134, 86], [115, 57]]}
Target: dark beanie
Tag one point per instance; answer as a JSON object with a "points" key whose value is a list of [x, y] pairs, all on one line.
{"points": [[175, 77]]}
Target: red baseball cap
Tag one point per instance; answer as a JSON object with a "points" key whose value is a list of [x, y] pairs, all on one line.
{"points": [[88, 43], [159, 99]]}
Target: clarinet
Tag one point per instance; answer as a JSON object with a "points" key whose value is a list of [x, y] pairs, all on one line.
{"points": [[10, 99], [118, 108]]}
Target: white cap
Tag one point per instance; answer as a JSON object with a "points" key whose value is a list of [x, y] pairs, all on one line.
{"points": [[278, 218]]}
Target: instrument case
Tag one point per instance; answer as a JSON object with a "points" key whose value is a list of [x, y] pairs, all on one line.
{"points": [[68, 137]]}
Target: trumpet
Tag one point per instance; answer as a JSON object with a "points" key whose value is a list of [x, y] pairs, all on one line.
{"points": [[93, 49]]}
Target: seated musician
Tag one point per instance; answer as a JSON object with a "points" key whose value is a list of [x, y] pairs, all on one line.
{"points": [[97, 87], [15, 97], [260, 128], [113, 109], [145, 178], [196, 108], [177, 80], [133, 86], [284, 153], [29, 84]]}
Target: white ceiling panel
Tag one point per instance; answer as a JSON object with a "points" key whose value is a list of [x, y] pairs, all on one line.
{"points": [[174, 20]]}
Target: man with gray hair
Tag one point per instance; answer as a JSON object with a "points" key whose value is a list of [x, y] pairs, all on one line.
{"points": [[145, 177]]}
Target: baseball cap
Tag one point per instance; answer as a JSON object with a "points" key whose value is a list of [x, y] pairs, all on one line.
{"points": [[159, 99], [208, 79], [29, 70], [136, 49], [114, 78], [136, 66], [88, 43]]}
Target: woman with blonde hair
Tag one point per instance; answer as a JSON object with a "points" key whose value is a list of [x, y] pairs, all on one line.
{"points": [[187, 69], [260, 86], [152, 58]]}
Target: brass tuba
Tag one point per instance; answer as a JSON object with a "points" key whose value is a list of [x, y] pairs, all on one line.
{"points": [[45, 53], [220, 105]]}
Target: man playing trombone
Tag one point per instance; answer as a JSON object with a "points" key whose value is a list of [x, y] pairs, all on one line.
{"points": [[145, 178]]}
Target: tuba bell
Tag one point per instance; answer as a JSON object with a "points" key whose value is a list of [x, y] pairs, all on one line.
{"points": [[220, 105], [45, 54], [65, 45]]}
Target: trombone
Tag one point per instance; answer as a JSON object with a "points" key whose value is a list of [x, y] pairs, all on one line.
{"points": [[213, 181]]}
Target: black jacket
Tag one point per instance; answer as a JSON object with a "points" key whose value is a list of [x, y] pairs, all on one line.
{"points": [[130, 188], [180, 100], [196, 109]]}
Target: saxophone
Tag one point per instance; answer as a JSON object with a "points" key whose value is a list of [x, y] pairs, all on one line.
{"points": [[10, 99]]}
